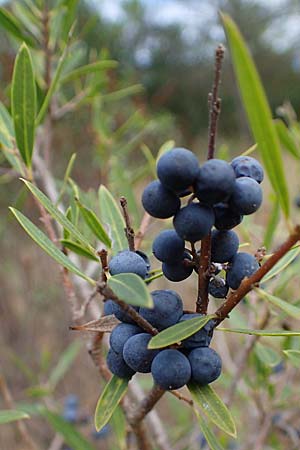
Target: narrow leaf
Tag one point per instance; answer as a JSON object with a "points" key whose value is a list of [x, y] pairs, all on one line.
{"points": [[213, 407], [87, 69], [111, 215], [119, 426], [6, 128], [285, 261], [287, 139], [11, 24], [130, 288], [288, 308], [267, 355], [258, 111], [111, 396], [103, 325], [44, 242], [208, 433], [275, 333], [65, 361], [66, 177], [79, 249], [23, 99], [294, 356], [71, 436], [94, 224], [11, 415], [179, 332]]}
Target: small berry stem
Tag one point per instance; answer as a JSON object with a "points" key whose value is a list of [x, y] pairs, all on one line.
{"points": [[129, 231]]}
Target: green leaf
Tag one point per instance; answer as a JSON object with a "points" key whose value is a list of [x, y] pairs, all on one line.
{"points": [[10, 415], [208, 433], [130, 288], [79, 249], [65, 361], [23, 99], [71, 436], [94, 224], [294, 356], [11, 24], [213, 407], [123, 93], [66, 177], [274, 333], [287, 139], [288, 308], [267, 355], [282, 264], [258, 111], [119, 426], [112, 217], [44, 242], [57, 215], [111, 396], [87, 69], [6, 128], [179, 332]]}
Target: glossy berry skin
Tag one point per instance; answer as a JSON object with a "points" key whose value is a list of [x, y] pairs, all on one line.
{"points": [[206, 365], [218, 288], [246, 166], [242, 265], [120, 334], [225, 217], [111, 307], [178, 271], [171, 369], [177, 169], [194, 221], [127, 261], [159, 201], [202, 337], [168, 246], [215, 181], [168, 309], [118, 366], [137, 355], [224, 245], [246, 197]]}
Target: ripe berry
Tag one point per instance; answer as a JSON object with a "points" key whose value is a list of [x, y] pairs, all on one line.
{"points": [[145, 258], [111, 307], [118, 366], [215, 181], [120, 334], [206, 365], [136, 353], [167, 309], [242, 265], [217, 287], [160, 202], [194, 221], [128, 262], [178, 271], [202, 337], [246, 166], [224, 245], [225, 217], [171, 369], [168, 246], [246, 197], [177, 169]]}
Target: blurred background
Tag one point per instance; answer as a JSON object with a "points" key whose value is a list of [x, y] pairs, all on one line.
{"points": [[157, 94]]}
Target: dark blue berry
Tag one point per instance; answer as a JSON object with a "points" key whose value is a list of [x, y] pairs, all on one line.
{"points": [[177, 169], [206, 365], [136, 353], [111, 307], [194, 221], [179, 270], [224, 245], [217, 287], [168, 309], [246, 166], [145, 258], [118, 366], [127, 261], [168, 246], [160, 202], [171, 369], [246, 197], [242, 265], [225, 217], [120, 334], [202, 337], [215, 181]]}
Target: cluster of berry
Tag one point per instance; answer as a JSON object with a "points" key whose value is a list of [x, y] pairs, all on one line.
{"points": [[171, 368]]}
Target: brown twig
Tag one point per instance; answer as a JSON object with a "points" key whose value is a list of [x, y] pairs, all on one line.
{"points": [[142, 231], [182, 397], [104, 263], [203, 278], [138, 413], [129, 231], [248, 283]]}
